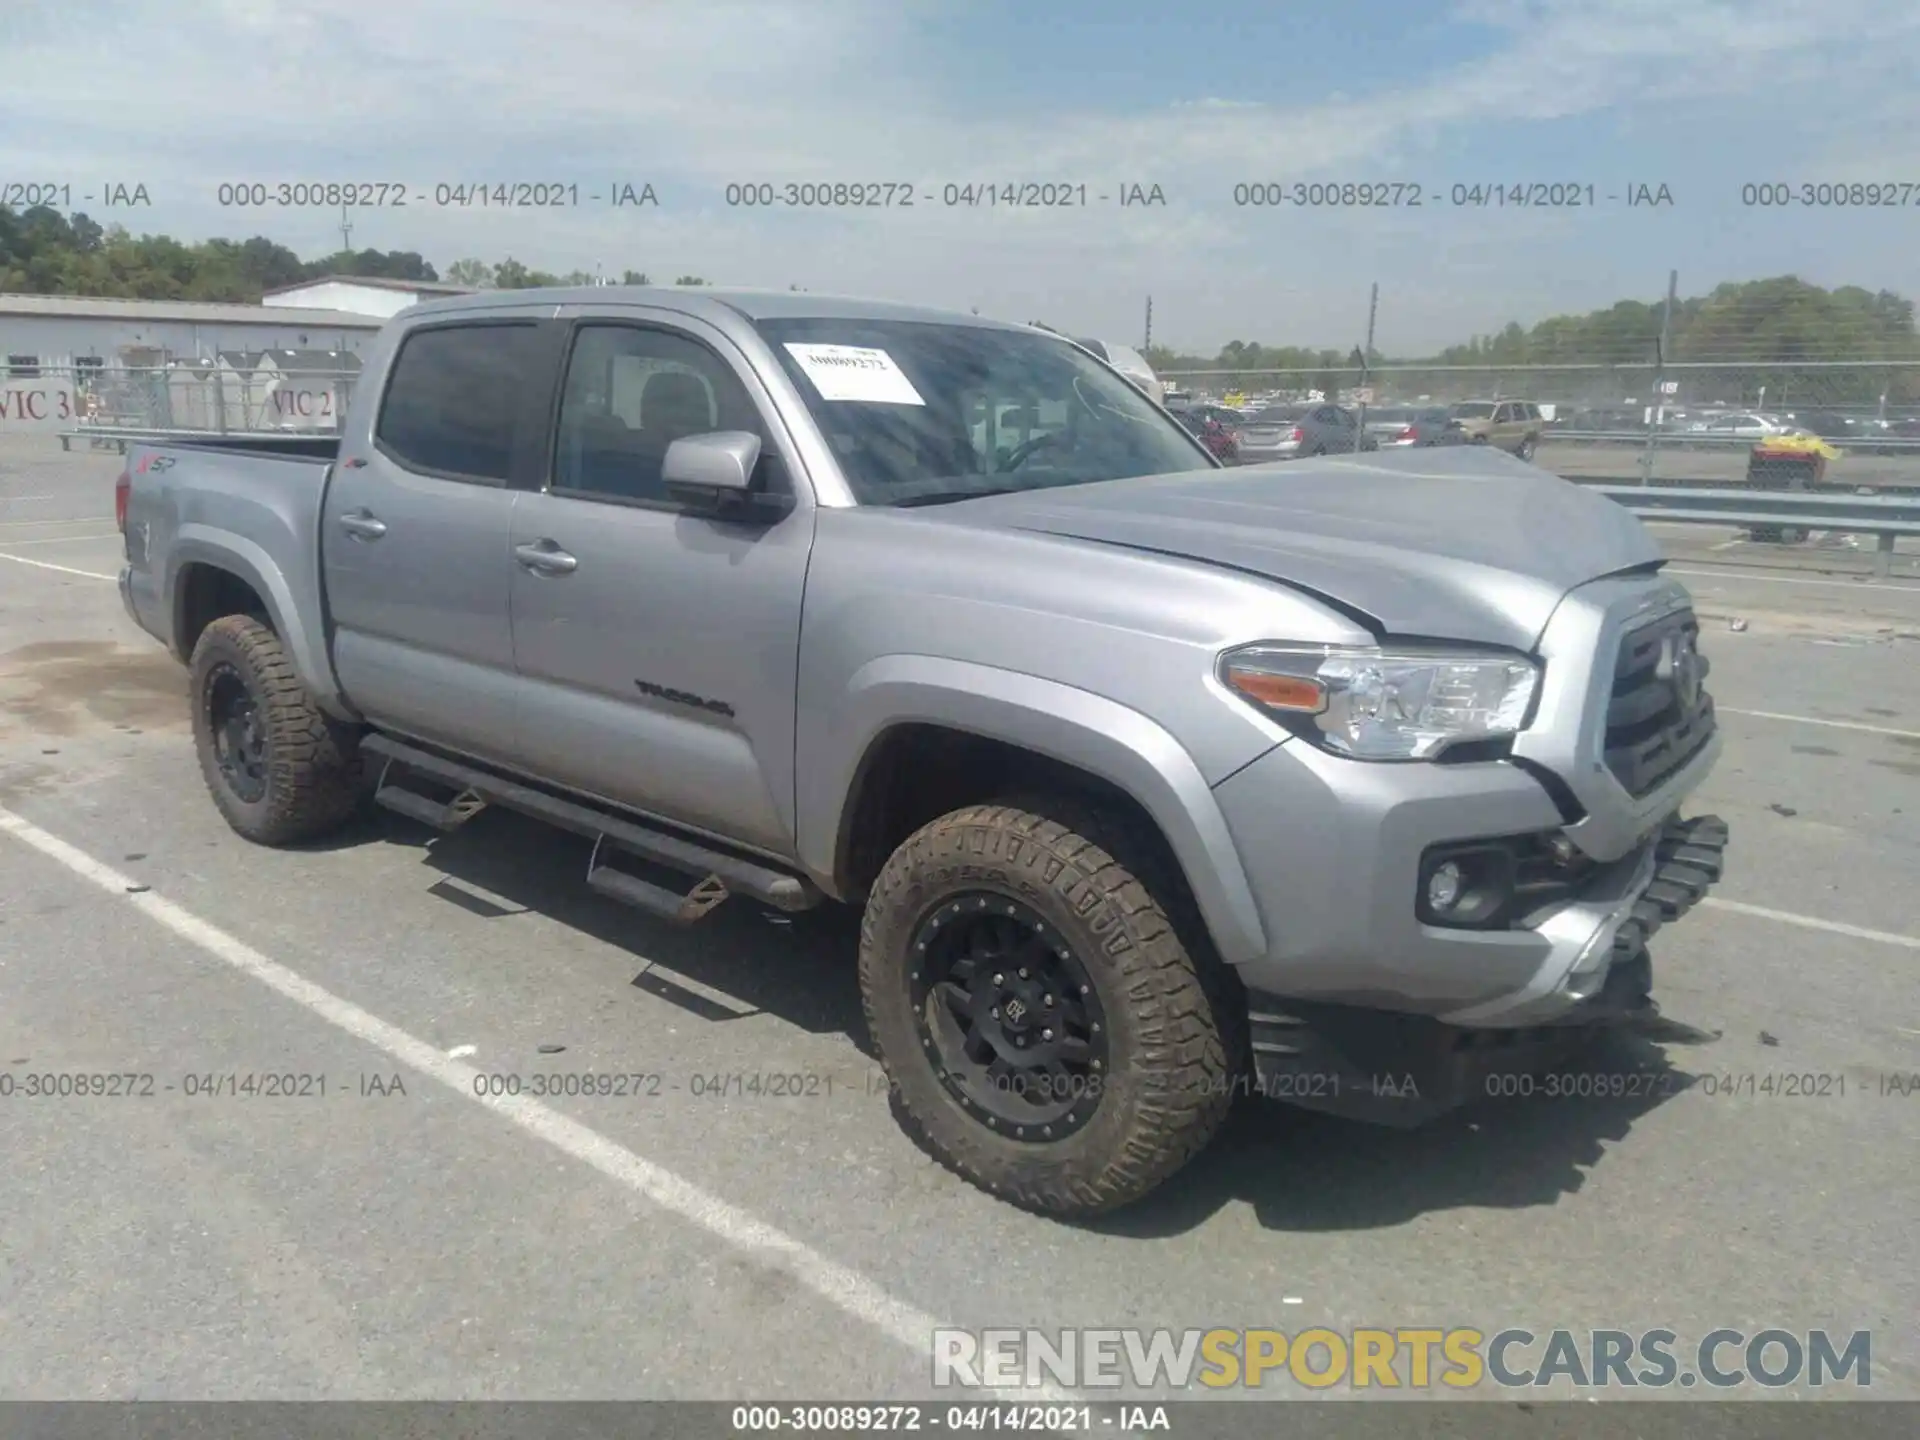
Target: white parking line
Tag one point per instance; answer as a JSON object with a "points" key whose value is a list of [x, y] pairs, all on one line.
{"points": [[49, 565], [1809, 922], [60, 539], [1816, 720], [845, 1289], [1872, 587], [42, 524]]}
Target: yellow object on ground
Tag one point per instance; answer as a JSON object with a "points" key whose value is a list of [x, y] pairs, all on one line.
{"points": [[1786, 445]]}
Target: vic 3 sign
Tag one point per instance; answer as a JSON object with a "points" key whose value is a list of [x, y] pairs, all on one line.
{"points": [[36, 405]]}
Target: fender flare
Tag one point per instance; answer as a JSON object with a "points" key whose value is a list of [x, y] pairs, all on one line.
{"points": [[1076, 727], [245, 560]]}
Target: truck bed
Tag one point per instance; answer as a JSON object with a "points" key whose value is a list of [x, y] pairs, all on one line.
{"points": [[279, 447], [248, 506]]}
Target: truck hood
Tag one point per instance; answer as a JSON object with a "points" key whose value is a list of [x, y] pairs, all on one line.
{"points": [[1455, 544]]}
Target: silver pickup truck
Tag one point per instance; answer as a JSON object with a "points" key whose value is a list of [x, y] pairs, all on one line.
{"points": [[1346, 782]]}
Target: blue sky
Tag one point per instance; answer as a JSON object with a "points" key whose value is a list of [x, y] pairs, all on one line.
{"points": [[693, 94]]}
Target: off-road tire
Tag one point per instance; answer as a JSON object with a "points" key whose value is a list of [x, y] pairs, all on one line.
{"points": [[314, 781], [1176, 1038]]}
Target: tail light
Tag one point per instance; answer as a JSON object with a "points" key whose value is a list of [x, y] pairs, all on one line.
{"points": [[1296, 435], [1407, 435], [121, 487]]}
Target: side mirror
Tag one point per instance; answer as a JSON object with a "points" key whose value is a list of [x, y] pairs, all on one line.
{"points": [[714, 474]]}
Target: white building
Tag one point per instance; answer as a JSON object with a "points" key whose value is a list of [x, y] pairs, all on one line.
{"points": [[40, 333], [67, 360], [359, 294]]}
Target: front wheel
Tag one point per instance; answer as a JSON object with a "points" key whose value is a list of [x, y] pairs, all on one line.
{"points": [[1527, 447], [279, 768], [1047, 1034]]}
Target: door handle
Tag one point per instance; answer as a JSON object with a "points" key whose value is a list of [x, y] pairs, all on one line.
{"points": [[363, 525], [546, 558]]}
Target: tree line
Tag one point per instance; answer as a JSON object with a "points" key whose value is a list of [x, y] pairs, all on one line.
{"points": [[1782, 323], [1781, 337], [43, 252]]}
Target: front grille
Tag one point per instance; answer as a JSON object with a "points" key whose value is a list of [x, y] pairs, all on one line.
{"points": [[1652, 729]]}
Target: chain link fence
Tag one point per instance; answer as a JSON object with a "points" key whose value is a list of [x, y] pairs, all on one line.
{"points": [[1679, 423], [244, 396]]}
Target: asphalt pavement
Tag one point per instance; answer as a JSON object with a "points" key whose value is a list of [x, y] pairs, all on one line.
{"points": [[394, 1230]]}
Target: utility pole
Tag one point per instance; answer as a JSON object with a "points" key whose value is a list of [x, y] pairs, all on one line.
{"points": [[1659, 410], [1147, 344], [346, 231], [1366, 362]]}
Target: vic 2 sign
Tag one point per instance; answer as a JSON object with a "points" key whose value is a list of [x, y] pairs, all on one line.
{"points": [[30, 405], [316, 409]]}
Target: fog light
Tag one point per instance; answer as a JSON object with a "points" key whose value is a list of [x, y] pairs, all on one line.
{"points": [[1443, 887]]}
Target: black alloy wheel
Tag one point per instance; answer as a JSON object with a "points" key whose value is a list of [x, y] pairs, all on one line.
{"points": [[239, 734], [1010, 1016], [1046, 1031], [280, 769]]}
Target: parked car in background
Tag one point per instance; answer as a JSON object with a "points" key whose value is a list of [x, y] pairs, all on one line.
{"points": [[1741, 425], [1222, 414], [1287, 432], [1411, 425], [1222, 443], [1832, 425], [1510, 425], [1609, 420]]}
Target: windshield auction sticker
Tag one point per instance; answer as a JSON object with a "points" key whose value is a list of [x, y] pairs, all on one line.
{"points": [[852, 372]]}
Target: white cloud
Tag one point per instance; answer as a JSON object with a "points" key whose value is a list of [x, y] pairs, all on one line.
{"points": [[693, 95]]}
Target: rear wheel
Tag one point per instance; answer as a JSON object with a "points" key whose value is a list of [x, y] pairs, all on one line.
{"points": [[1047, 1034], [279, 768]]}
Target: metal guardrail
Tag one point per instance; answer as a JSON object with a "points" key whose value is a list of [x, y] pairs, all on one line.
{"points": [[1707, 438], [1885, 517], [1704, 440]]}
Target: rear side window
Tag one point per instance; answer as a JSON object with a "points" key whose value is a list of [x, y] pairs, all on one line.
{"points": [[455, 400]]}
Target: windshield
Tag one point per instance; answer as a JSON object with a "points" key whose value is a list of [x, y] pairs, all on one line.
{"points": [[1279, 414], [918, 413], [1474, 411]]}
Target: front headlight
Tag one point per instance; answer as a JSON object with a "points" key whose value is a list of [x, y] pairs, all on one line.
{"points": [[1384, 704]]}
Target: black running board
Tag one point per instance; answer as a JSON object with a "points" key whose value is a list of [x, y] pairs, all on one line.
{"points": [[715, 874]]}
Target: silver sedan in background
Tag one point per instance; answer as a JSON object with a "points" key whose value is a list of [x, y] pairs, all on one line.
{"points": [[1396, 426], [1287, 432]]}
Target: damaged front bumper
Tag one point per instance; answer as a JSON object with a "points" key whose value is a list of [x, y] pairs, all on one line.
{"points": [[1402, 1068]]}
